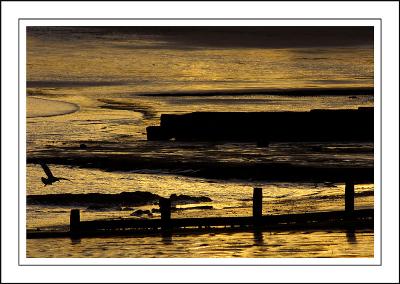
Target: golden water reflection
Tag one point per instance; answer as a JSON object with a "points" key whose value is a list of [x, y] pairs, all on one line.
{"points": [[304, 244]]}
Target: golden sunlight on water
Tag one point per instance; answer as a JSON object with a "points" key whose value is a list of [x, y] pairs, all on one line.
{"points": [[118, 62], [229, 198], [305, 244], [91, 93]]}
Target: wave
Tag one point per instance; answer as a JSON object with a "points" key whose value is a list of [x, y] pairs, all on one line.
{"points": [[37, 107]]}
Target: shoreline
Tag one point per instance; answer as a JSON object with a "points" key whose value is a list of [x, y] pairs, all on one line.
{"points": [[63, 107]]}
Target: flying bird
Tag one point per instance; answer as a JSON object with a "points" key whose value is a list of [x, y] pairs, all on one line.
{"points": [[50, 177]]}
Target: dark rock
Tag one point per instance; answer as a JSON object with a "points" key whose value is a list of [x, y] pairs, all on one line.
{"points": [[155, 210], [100, 201], [103, 208], [186, 199], [140, 212], [126, 209], [95, 199]]}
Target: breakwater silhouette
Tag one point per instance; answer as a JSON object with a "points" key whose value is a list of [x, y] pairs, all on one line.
{"points": [[265, 127]]}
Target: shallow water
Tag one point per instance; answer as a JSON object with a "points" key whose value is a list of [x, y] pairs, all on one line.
{"points": [[229, 198], [306, 244], [129, 62], [92, 88]]}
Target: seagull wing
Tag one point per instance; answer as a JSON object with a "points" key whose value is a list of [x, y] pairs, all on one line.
{"points": [[47, 170]]}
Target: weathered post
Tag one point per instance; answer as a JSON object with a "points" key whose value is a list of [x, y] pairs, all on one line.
{"points": [[257, 205], [74, 221], [349, 197], [165, 210]]}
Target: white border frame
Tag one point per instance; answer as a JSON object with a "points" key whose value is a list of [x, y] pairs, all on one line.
{"points": [[388, 11]]}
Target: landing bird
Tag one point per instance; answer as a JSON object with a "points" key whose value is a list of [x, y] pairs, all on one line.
{"points": [[50, 177]]}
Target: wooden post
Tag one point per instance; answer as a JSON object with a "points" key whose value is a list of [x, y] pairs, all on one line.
{"points": [[257, 203], [74, 221], [349, 197], [165, 209]]}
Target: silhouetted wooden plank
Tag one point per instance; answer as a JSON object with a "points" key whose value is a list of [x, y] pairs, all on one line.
{"points": [[156, 133], [226, 221], [257, 204], [349, 197], [165, 210], [74, 221], [314, 125], [320, 220]]}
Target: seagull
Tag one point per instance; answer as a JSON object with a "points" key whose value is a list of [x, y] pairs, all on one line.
{"points": [[50, 177]]}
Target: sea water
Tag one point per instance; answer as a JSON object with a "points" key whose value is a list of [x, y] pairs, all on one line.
{"points": [[103, 89]]}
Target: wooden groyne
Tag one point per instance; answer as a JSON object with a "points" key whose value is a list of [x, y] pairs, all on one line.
{"points": [[265, 127], [345, 219]]}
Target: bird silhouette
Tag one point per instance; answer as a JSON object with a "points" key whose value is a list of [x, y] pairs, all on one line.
{"points": [[50, 177]]}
